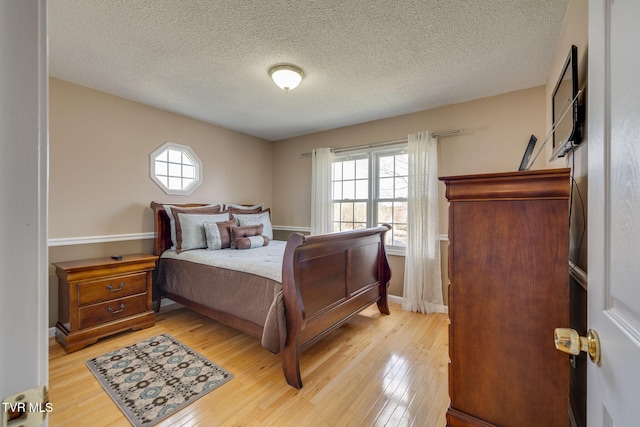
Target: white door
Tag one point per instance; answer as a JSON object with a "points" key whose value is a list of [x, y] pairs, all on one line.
{"points": [[23, 198], [614, 211]]}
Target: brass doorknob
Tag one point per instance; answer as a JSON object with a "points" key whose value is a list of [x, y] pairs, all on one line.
{"points": [[569, 341]]}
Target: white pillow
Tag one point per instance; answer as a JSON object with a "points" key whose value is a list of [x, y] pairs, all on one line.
{"points": [[255, 219], [190, 232], [172, 221]]}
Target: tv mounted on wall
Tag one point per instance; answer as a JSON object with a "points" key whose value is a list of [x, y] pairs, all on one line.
{"points": [[566, 112]]}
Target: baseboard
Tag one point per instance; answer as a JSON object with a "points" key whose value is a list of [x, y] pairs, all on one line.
{"points": [[394, 298]]}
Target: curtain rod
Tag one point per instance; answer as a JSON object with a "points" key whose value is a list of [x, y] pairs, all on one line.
{"points": [[385, 143]]}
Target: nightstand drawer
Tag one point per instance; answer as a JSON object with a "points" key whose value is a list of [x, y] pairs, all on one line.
{"points": [[109, 289], [98, 314]]}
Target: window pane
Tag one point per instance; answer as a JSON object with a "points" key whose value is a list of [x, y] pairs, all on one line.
{"points": [[385, 212], [188, 171], [187, 182], [349, 169], [186, 160], [175, 183], [336, 211], [386, 166], [175, 170], [360, 212], [362, 168], [164, 156], [337, 190], [346, 213], [175, 156], [349, 190], [402, 188], [359, 225], [362, 189], [400, 212], [402, 164], [337, 171], [161, 168], [386, 188]]}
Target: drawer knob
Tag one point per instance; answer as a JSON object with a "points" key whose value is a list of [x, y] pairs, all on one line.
{"points": [[112, 311], [119, 288]]}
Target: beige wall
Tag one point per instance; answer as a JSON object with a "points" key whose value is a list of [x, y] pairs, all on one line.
{"points": [[99, 170], [99, 162], [497, 131]]}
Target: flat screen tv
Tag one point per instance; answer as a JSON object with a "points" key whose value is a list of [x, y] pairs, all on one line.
{"points": [[566, 112]]}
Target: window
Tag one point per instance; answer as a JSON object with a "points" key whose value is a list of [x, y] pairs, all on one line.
{"points": [[370, 188], [175, 168]]}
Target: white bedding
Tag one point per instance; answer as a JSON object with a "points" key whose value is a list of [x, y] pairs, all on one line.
{"points": [[265, 261]]}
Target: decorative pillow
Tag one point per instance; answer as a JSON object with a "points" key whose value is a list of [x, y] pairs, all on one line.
{"points": [[190, 230], [250, 242], [240, 209], [257, 208], [254, 219], [218, 234], [196, 209], [248, 237]]}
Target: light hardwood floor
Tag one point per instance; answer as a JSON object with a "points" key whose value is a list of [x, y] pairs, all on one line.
{"points": [[376, 370]]}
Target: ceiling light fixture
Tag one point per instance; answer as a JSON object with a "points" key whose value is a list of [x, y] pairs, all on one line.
{"points": [[286, 76]]}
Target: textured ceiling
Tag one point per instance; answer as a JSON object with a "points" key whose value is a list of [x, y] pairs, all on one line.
{"points": [[363, 59]]}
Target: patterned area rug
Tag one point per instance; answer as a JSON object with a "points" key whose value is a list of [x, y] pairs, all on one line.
{"points": [[155, 378]]}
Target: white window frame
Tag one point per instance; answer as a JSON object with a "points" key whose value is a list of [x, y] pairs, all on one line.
{"points": [[185, 151], [373, 154]]}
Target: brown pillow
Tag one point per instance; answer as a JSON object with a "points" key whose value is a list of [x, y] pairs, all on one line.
{"points": [[247, 231], [245, 237], [250, 242]]}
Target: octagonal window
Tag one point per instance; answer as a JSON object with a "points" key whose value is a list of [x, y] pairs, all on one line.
{"points": [[175, 168]]}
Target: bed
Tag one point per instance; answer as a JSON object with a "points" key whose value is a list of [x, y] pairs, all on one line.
{"points": [[321, 282]]}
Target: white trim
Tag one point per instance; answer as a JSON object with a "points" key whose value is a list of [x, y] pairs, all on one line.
{"points": [[69, 241], [292, 228], [396, 252], [396, 299], [399, 300]]}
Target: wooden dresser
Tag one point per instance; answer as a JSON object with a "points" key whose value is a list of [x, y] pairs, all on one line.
{"points": [[509, 290], [102, 296]]}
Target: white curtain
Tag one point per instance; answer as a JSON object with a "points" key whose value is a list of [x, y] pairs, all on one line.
{"points": [[422, 276], [321, 210]]}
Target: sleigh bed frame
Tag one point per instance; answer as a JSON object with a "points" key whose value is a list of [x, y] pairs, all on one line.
{"points": [[326, 280]]}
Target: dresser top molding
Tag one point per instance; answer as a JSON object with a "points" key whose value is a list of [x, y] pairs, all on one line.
{"points": [[537, 184]]}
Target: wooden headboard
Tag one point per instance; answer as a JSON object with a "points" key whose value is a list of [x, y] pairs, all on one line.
{"points": [[162, 227]]}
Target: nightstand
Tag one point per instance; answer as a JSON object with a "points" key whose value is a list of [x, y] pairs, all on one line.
{"points": [[103, 296]]}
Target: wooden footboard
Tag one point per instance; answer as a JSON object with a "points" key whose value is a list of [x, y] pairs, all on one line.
{"points": [[326, 280]]}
